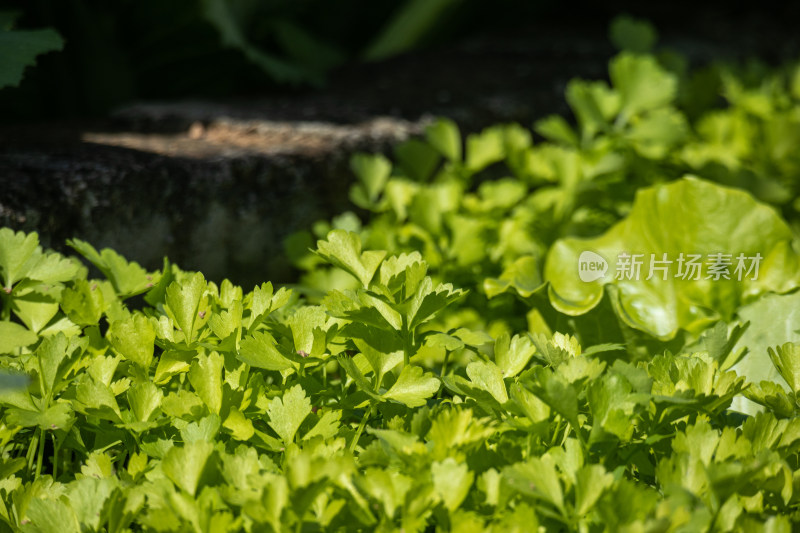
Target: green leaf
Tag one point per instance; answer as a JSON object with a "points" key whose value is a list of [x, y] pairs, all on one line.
{"points": [[452, 481], [532, 407], [17, 397], [521, 518], [310, 325], [413, 387], [34, 307], [189, 466], [53, 356], [786, 359], [487, 376], [590, 484], [13, 336], [83, 303], [353, 372], [380, 362], [720, 345], [326, 427], [98, 399], [512, 354], [455, 428], [18, 50], [134, 339], [50, 515], [145, 399], [371, 304], [53, 268], [556, 129], [172, 362], [417, 159], [658, 133], [770, 395], [593, 103], [765, 332], [556, 350], [58, 416], [404, 271], [204, 430], [259, 351], [444, 136], [343, 249], [263, 301], [372, 172], [484, 148], [305, 47], [427, 301], [240, 426], [223, 16], [537, 477], [409, 25], [632, 35], [127, 278], [88, 498], [99, 465], [227, 323], [523, 275], [388, 487], [642, 83], [613, 405], [205, 376], [689, 216], [16, 249], [183, 303], [561, 396], [286, 413]]}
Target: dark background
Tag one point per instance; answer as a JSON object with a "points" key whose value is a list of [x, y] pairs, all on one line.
{"points": [[133, 50]]}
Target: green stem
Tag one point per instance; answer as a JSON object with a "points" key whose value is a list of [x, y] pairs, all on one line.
{"points": [[581, 440], [55, 456], [360, 429], [408, 343], [40, 454], [556, 431], [5, 312], [441, 375], [29, 457], [444, 362]]}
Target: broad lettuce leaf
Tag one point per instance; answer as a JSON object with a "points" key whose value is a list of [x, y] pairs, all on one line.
{"points": [[689, 216]]}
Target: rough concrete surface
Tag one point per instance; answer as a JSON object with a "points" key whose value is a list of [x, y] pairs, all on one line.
{"points": [[220, 198]]}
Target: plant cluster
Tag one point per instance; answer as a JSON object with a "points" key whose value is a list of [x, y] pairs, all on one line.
{"points": [[201, 408], [663, 159], [441, 366]]}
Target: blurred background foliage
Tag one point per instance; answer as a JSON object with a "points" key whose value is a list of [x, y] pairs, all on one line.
{"points": [[146, 49], [123, 50]]}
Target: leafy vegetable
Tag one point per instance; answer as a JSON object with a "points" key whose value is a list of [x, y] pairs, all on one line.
{"points": [[456, 372], [682, 218]]}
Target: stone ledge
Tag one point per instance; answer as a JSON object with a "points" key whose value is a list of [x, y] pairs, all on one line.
{"points": [[220, 200]]}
